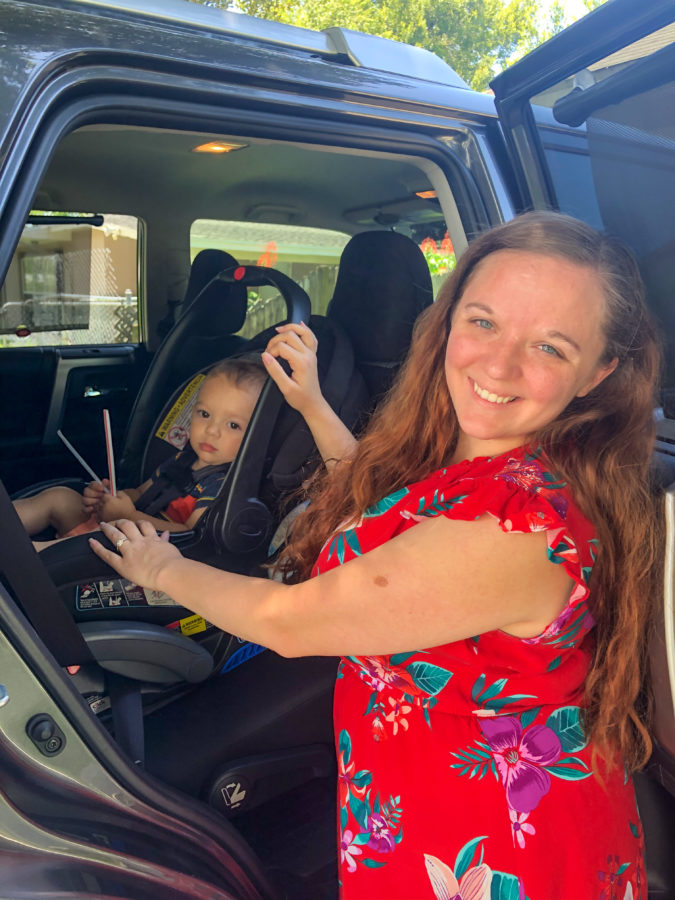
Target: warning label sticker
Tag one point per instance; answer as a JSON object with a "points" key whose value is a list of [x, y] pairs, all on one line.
{"points": [[175, 427], [192, 625], [116, 593]]}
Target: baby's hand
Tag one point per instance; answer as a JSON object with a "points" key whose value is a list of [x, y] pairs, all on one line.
{"points": [[297, 345], [119, 507], [93, 495]]}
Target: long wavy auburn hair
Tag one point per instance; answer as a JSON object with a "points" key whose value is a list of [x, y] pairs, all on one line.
{"points": [[600, 445]]}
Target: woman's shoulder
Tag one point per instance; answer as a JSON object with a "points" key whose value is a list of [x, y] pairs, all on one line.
{"points": [[520, 479]]}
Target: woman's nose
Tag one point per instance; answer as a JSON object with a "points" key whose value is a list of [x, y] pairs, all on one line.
{"points": [[504, 359]]}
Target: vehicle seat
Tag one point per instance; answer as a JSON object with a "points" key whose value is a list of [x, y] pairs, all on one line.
{"points": [[269, 721], [383, 284], [203, 334]]}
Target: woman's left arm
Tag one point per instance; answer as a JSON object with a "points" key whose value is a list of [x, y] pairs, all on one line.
{"points": [[440, 581]]}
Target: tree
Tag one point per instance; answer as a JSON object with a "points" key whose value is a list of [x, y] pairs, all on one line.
{"points": [[476, 37]]}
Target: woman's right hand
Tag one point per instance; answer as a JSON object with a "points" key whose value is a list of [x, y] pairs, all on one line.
{"points": [[141, 554], [296, 343]]}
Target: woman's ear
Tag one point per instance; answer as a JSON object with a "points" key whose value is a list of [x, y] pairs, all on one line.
{"points": [[600, 374]]}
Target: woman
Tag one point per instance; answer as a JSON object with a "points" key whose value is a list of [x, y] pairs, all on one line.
{"points": [[505, 472]]}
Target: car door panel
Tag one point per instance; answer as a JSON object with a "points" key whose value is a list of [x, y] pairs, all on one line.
{"points": [[62, 388]]}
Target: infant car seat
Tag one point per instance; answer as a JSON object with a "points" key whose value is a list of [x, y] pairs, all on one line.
{"points": [[234, 532], [211, 312]]}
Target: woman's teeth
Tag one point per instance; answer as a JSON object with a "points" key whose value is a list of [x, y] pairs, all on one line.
{"points": [[492, 398]]}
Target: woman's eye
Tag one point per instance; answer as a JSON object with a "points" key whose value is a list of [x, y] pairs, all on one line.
{"points": [[547, 348], [482, 323]]}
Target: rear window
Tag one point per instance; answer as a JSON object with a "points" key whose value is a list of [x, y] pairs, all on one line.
{"points": [[310, 256], [73, 280]]}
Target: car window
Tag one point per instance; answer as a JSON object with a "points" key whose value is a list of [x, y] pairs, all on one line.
{"points": [[310, 256], [617, 170], [73, 280]]}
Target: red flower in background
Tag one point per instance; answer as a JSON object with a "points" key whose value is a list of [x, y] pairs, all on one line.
{"points": [[446, 244], [269, 257], [429, 245]]}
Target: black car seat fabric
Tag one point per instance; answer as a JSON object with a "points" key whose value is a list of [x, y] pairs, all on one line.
{"points": [[383, 284], [204, 333]]}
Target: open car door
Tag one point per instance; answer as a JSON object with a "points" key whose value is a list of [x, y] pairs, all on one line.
{"points": [[589, 120]]}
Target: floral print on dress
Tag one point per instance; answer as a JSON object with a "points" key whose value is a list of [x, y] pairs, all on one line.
{"points": [[373, 825], [480, 744], [397, 689], [527, 473], [471, 879]]}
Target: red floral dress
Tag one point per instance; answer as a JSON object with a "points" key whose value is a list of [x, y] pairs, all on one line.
{"points": [[463, 770]]}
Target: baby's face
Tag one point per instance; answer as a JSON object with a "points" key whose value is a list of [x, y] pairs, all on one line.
{"points": [[219, 419]]}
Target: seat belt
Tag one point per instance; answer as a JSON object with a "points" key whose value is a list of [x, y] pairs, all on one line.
{"points": [[35, 592]]}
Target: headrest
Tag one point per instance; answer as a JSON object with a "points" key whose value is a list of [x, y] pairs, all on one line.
{"points": [[227, 301], [383, 284]]}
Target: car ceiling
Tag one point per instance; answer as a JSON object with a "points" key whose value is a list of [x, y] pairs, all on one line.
{"points": [[150, 172]]}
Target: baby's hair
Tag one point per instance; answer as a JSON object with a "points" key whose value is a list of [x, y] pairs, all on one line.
{"points": [[241, 370]]}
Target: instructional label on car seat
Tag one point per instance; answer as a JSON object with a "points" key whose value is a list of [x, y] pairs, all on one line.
{"points": [[117, 593], [192, 625], [175, 428]]}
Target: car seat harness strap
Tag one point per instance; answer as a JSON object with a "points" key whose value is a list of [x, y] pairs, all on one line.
{"points": [[176, 479]]}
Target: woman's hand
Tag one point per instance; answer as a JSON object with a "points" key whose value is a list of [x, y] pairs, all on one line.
{"points": [[297, 345], [141, 555]]}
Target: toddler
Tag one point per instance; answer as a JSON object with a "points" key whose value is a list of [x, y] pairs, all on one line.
{"points": [[190, 480]]}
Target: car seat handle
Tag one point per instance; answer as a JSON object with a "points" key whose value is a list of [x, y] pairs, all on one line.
{"points": [[298, 307], [243, 523]]}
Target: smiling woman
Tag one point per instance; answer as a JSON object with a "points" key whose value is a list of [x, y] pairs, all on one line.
{"points": [[486, 589], [527, 335]]}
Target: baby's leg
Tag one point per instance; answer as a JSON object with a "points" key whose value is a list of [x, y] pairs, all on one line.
{"points": [[58, 507]]}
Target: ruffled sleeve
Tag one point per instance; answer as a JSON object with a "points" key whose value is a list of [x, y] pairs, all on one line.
{"points": [[523, 496]]}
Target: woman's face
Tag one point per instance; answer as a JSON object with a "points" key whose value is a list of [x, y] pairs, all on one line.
{"points": [[526, 338]]}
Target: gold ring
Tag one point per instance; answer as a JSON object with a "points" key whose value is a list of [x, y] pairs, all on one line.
{"points": [[119, 543]]}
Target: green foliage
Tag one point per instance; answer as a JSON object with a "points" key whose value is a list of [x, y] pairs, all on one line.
{"points": [[476, 37]]}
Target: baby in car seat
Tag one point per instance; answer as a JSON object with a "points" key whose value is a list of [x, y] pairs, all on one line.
{"points": [[181, 489]]}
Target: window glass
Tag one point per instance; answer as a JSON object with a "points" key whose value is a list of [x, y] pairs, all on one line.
{"points": [[310, 256], [73, 280], [617, 169]]}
